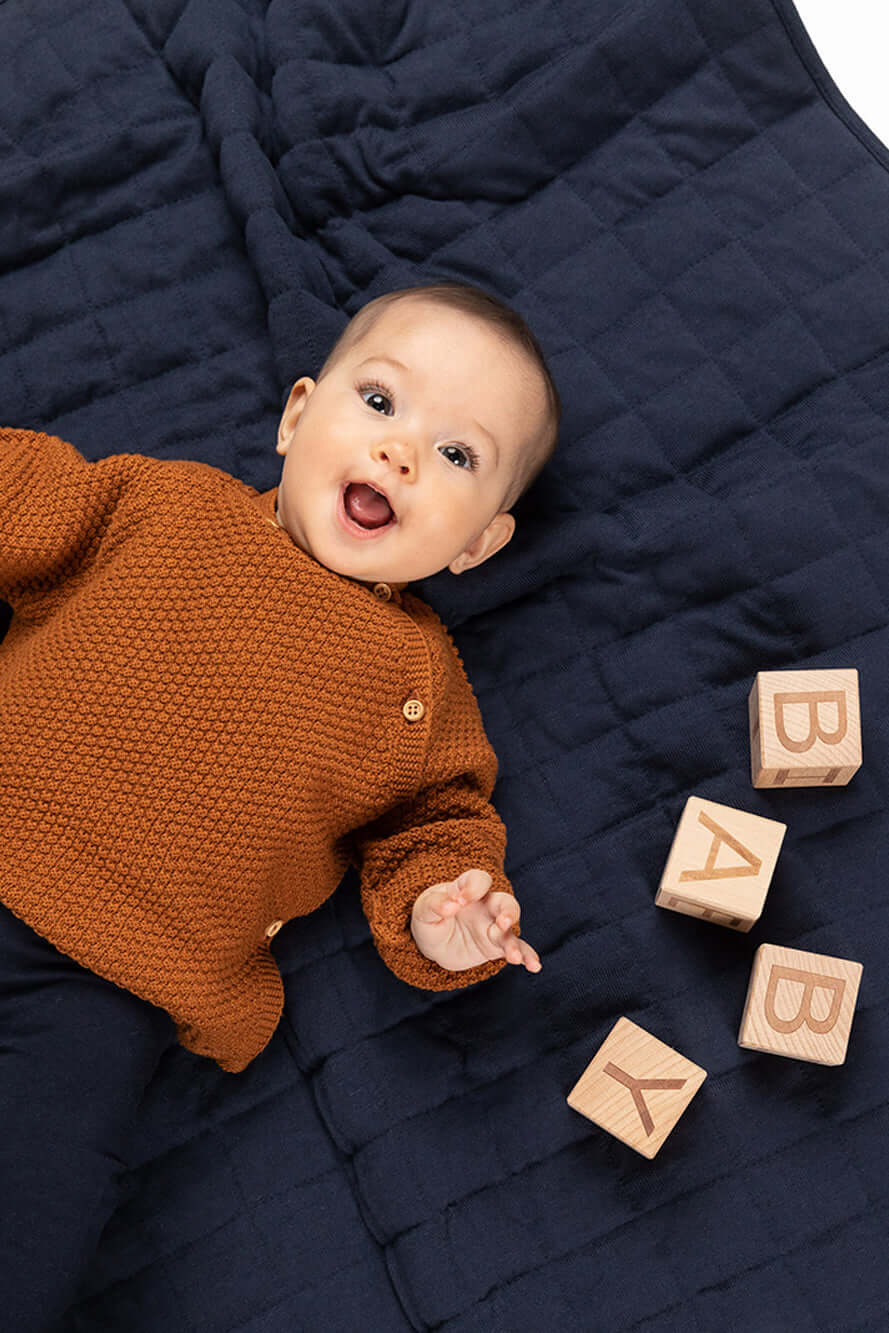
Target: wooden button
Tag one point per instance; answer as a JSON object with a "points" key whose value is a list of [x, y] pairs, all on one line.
{"points": [[273, 928], [383, 591], [413, 710]]}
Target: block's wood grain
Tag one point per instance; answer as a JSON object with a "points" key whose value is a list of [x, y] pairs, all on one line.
{"points": [[720, 864], [636, 1087], [805, 728], [800, 1004]]}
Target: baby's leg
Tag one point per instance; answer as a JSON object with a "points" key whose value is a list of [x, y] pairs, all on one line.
{"points": [[76, 1054]]}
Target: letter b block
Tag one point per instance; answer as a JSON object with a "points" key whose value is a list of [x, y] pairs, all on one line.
{"points": [[636, 1087], [720, 864], [800, 1004], [805, 728]]}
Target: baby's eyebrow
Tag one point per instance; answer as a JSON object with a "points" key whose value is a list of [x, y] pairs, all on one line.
{"points": [[399, 365]]}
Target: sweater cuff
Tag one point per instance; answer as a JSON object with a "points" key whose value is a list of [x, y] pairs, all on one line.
{"points": [[412, 966]]}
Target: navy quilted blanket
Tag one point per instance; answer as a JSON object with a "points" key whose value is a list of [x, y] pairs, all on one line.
{"points": [[195, 197]]}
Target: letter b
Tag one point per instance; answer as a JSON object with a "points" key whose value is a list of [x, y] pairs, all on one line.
{"points": [[811, 981], [800, 1004]]}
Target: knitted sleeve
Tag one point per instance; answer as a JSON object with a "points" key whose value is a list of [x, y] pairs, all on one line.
{"points": [[53, 509], [448, 827]]}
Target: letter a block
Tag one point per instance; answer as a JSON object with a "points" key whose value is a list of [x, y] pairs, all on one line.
{"points": [[805, 728], [636, 1087], [800, 1004], [720, 864]]}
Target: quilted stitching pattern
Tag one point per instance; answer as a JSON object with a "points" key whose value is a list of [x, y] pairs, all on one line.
{"points": [[194, 195]]}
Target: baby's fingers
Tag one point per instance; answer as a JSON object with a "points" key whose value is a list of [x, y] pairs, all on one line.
{"points": [[467, 888], [514, 950], [445, 900], [435, 903], [473, 884]]}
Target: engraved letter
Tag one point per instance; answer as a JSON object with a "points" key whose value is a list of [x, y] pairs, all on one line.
{"points": [[812, 981], [636, 1085], [729, 872], [813, 698]]}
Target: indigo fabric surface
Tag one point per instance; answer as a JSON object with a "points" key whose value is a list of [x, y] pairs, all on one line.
{"points": [[194, 197]]}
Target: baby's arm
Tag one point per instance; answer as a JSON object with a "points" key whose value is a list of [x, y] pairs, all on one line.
{"points": [[445, 830], [53, 505], [425, 844]]}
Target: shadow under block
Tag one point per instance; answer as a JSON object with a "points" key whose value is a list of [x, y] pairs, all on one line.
{"points": [[800, 1004], [805, 728], [721, 864], [636, 1087]]}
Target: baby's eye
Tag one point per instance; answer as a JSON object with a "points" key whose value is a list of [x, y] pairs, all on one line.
{"points": [[369, 392], [465, 457]]}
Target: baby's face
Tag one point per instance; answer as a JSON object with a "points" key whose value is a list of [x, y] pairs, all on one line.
{"points": [[432, 410]]}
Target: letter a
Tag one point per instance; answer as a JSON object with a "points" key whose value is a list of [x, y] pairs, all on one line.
{"points": [[721, 835], [812, 981]]}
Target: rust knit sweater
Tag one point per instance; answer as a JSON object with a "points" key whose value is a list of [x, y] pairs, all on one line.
{"points": [[201, 726]]}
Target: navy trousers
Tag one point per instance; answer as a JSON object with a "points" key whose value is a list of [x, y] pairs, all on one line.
{"points": [[76, 1054]]}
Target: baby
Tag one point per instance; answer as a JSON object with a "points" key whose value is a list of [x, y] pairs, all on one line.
{"points": [[212, 700], [439, 421]]}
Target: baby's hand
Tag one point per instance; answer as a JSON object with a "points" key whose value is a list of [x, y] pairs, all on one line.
{"points": [[461, 924]]}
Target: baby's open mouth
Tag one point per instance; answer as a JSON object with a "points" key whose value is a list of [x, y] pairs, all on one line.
{"points": [[365, 506]]}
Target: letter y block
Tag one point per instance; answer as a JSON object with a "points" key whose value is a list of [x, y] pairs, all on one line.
{"points": [[636, 1087]]}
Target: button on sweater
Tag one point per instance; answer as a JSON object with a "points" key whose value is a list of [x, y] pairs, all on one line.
{"points": [[201, 727]]}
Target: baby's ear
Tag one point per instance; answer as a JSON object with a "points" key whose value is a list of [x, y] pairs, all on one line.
{"points": [[299, 396], [498, 532]]}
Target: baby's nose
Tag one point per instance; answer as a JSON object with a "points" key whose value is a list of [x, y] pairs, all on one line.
{"points": [[397, 453]]}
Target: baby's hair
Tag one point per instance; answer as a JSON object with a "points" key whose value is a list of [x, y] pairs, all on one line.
{"points": [[503, 319]]}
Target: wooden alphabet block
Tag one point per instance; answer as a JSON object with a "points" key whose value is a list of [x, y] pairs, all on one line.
{"points": [[720, 864], [636, 1087], [805, 728], [800, 1004]]}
